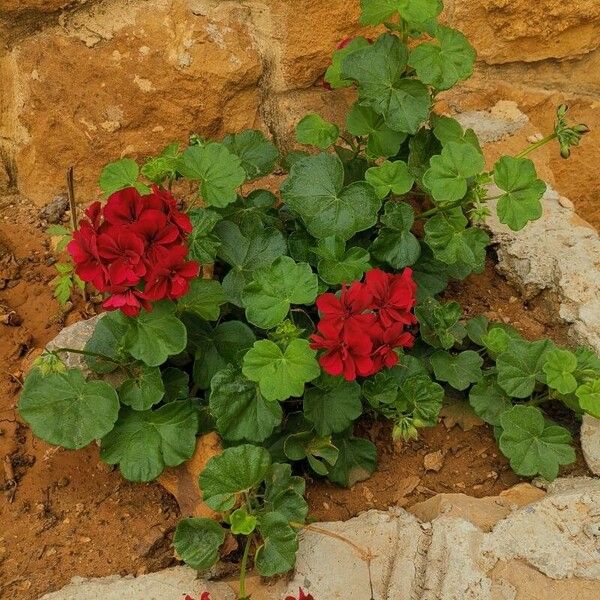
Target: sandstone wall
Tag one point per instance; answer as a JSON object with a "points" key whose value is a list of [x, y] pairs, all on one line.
{"points": [[83, 82]]}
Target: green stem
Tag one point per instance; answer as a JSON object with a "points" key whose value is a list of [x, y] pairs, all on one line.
{"points": [[87, 353], [536, 145], [539, 400], [242, 591], [434, 211]]}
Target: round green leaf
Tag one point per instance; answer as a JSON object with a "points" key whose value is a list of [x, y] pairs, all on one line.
{"points": [[241, 522], [520, 366], [107, 339], [332, 405], [202, 242], [314, 190], [197, 542], [177, 384], [66, 410], [257, 154], [204, 299], [333, 75], [375, 12], [489, 400], [246, 252], [445, 61], [313, 130], [379, 71], [120, 175], [281, 374], [422, 399], [389, 177], [338, 265], [532, 445], [267, 298], [460, 370], [449, 171], [559, 367], [143, 443], [520, 203], [220, 172], [357, 459], [588, 395], [218, 347], [381, 140], [240, 409], [277, 554], [144, 390], [154, 336], [236, 470]]}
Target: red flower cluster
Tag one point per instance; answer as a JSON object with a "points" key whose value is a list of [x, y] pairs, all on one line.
{"points": [[360, 329], [203, 596], [301, 596], [133, 249]]}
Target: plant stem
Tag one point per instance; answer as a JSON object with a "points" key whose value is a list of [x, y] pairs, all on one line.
{"points": [[242, 590], [73, 209], [87, 353], [537, 145], [537, 401], [435, 210]]}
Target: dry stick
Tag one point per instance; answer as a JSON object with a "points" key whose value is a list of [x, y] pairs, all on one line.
{"points": [[73, 208]]}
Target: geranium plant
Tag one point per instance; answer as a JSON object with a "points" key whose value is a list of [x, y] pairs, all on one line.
{"points": [[277, 320]]}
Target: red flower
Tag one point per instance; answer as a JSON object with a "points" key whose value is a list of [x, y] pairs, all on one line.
{"points": [[83, 248], [170, 277], [301, 596], [384, 342], [346, 310], [128, 300], [393, 296], [134, 249], [347, 353], [124, 207], [203, 596]]}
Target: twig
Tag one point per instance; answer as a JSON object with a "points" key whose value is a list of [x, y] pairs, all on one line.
{"points": [[73, 208]]}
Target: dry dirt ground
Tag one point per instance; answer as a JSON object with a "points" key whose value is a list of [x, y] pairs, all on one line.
{"points": [[64, 513]]}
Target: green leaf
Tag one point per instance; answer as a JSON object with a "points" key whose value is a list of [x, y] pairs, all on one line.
{"points": [[202, 243], [356, 461], [429, 274], [496, 340], [379, 72], [240, 409], [219, 170], [267, 298], [532, 445], [375, 12], [314, 190], [66, 410], [445, 61], [164, 166], [451, 241], [390, 177], [395, 243], [144, 390], [449, 172], [422, 147], [197, 542], [489, 400], [154, 336], [381, 390], [218, 347], [333, 75], [588, 364], [204, 299], [284, 493], [520, 366], [520, 203], [317, 450], [257, 154], [421, 398], [277, 554], [313, 130], [281, 374], [382, 141], [143, 443], [236, 470], [476, 328], [559, 367], [439, 323], [338, 265], [242, 523], [447, 129], [588, 395], [332, 405], [460, 370], [107, 339], [120, 175], [176, 383], [246, 252]]}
